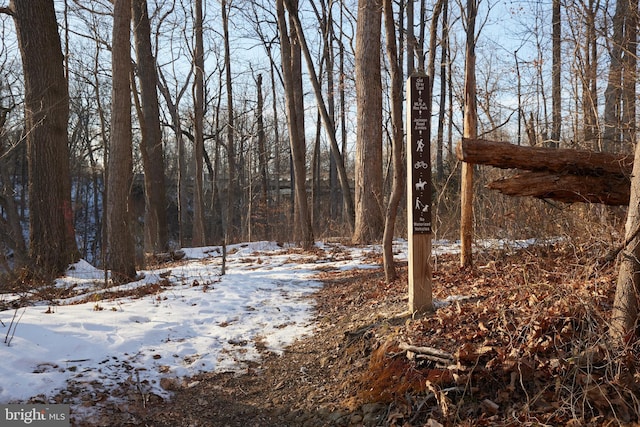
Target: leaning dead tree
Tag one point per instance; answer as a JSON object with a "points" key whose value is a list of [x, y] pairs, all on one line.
{"points": [[561, 174]]}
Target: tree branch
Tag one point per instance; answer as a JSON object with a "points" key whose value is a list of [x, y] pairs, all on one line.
{"points": [[6, 10]]}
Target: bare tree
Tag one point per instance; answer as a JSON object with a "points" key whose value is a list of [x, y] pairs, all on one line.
{"points": [[121, 245], [556, 89], [369, 199], [263, 155], [155, 218], [198, 236], [233, 214], [470, 131], [10, 227], [397, 187], [327, 122], [613, 91], [292, 77], [52, 244], [444, 43]]}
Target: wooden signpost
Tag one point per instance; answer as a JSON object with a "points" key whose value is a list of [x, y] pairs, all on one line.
{"points": [[419, 193]]}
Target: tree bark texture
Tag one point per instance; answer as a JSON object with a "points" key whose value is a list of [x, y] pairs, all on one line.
{"points": [[292, 77], [328, 124], [561, 174], [469, 131], [155, 217], [556, 89], [568, 188], [509, 156], [369, 198], [120, 239], [624, 317], [52, 245], [397, 185], [198, 236]]}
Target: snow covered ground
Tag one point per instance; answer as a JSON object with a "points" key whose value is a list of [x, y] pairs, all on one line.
{"points": [[194, 320]]}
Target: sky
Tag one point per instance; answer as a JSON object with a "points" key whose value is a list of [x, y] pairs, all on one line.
{"points": [[197, 321]]}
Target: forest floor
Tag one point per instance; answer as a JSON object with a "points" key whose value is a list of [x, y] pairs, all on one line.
{"points": [[519, 339]]}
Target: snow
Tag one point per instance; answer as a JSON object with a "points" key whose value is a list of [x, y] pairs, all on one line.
{"points": [[197, 321]]}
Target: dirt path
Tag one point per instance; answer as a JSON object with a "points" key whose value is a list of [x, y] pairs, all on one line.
{"points": [[525, 331]]}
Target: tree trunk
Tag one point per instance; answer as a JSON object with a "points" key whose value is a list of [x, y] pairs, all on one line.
{"points": [[10, 227], [121, 246], [612, 94], [343, 103], [233, 211], [630, 77], [469, 131], [443, 92], [291, 73], [155, 218], [198, 237], [411, 38], [590, 80], [174, 112], [263, 159], [369, 198], [328, 124], [52, 245], [624, 317], [397, 186], [556, 89]]}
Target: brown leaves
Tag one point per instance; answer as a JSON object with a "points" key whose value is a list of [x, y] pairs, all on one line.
{"points": [[529, 336]]}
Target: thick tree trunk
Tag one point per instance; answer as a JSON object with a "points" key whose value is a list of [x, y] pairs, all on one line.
{"points": [[369, 198], [121, 246], [155, 217], [52, 243]]}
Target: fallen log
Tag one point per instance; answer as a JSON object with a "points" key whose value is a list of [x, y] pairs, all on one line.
{"points": [[558, 160], [609, 189]]}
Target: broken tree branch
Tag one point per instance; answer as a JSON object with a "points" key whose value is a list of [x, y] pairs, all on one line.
{"points": [[430, 353]]}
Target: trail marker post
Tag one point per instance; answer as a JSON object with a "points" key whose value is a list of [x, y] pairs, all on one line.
{"points": [[419, 193]]}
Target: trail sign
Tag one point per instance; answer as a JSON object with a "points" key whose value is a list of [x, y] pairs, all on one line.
{"points": [[419, 193]]}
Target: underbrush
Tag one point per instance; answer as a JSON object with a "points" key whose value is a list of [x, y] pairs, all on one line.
{"points": [[527, 333]]}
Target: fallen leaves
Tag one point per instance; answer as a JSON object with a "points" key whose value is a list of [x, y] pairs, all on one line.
{"points": [[531, 341]]}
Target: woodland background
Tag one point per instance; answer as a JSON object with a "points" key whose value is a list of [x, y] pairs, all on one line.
{"points": [[195, 123]]}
